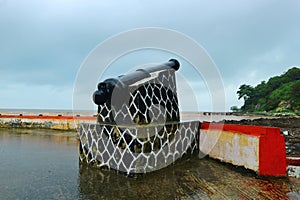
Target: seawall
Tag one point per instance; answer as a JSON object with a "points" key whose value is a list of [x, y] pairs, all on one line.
{"points": [[44, 121]]}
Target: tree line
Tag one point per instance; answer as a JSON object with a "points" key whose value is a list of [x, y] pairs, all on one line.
{"points": [[278, 94]]}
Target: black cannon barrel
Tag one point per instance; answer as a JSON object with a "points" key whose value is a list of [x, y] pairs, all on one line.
{"points": [[140, 74], [105, 88], [133, 77], [172, 63]]}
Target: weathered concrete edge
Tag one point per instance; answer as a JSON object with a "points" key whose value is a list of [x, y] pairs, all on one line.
{"points": [[62, 123]]}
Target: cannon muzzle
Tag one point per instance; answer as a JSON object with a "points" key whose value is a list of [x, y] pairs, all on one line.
{"points": [[105, 89]]}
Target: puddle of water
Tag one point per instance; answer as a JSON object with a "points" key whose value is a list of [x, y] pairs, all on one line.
{"points": [[41, 164]]}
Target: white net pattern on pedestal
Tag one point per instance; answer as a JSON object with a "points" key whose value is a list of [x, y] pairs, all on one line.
{"points": [[138, 149]]}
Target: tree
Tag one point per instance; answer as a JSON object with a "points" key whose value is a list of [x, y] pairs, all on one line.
{"points": [[295, 95], [245, 91], [279, 93], [293, 74]]}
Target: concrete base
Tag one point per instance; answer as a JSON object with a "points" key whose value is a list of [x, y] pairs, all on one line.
{"points": [[137, 149]]}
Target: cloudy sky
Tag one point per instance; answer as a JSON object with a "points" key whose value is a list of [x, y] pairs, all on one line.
{"points": [[44, 43]]}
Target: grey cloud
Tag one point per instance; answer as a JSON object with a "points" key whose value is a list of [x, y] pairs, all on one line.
{"points": [[44, 42]]}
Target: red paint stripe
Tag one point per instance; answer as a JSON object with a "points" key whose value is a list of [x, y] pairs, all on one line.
{"points": [[293, 160], [242, 129]]}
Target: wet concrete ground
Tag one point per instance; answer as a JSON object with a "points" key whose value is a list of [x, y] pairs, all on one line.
{"points": [[190, 179], [43, 164]]}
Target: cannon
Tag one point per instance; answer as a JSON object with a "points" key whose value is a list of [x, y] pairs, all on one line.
{"points": [[140, 97], [138, 127]]}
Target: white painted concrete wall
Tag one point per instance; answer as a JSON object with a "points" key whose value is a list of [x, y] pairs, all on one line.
{"points": [[234, 148]]}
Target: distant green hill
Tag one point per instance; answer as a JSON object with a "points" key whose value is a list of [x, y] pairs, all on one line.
{"points": [[279, 94]]}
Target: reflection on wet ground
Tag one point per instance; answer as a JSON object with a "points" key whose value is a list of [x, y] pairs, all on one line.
{"points": [[41, 164], [195, 178]]}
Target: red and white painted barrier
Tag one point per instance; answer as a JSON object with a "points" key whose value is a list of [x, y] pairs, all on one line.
{"points": [[261, 149]]}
